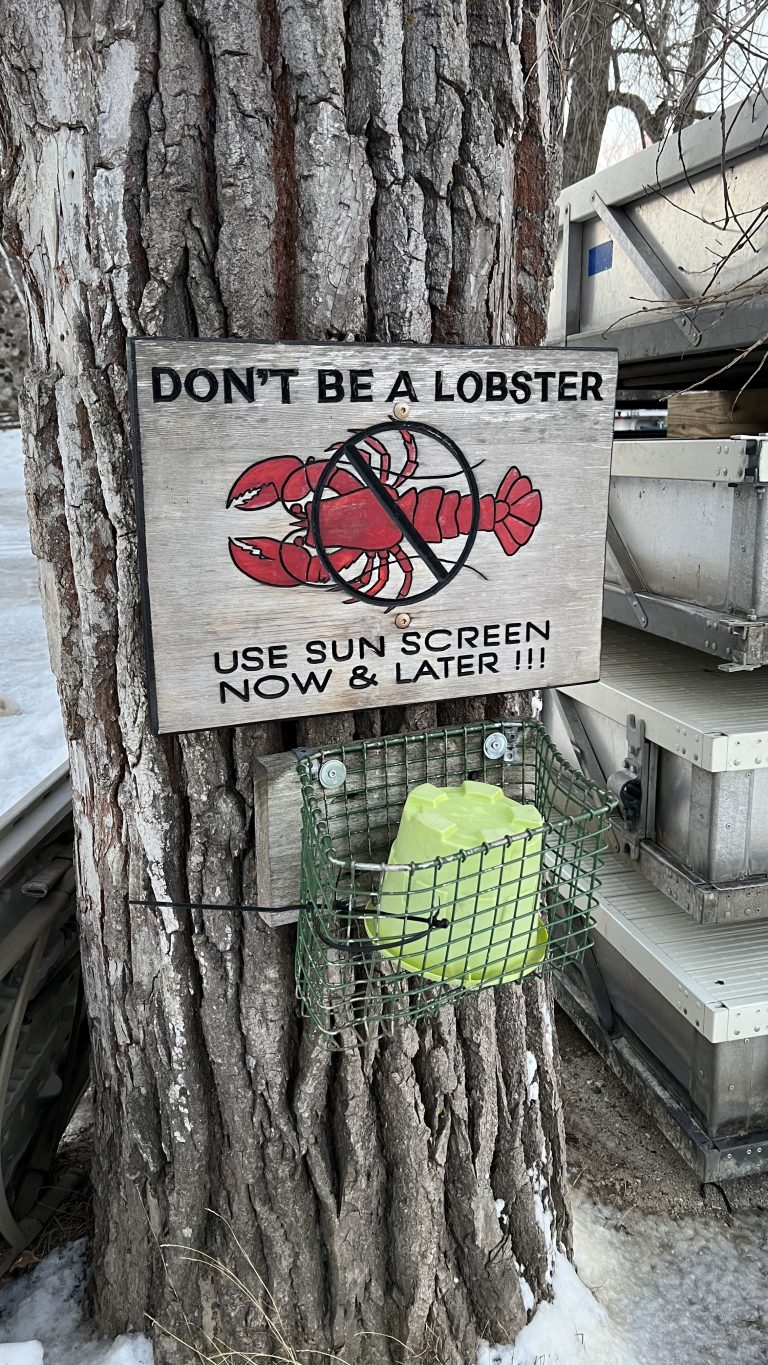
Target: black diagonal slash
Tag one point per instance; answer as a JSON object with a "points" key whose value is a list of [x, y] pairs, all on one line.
{"points": [[394, 511], [441, 575]]}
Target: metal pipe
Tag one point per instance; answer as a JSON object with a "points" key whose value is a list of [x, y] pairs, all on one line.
{"points": [[37, 921]]}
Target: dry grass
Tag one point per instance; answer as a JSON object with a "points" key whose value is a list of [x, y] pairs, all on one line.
{"points": [[70, 1221], [258, 1300]]}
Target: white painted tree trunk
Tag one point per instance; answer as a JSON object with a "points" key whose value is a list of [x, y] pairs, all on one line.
{"points": [[267, 168]]}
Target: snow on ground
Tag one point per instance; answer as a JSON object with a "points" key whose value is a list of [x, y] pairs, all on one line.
{"points": [[572, 1330], [650, 1290], [40, 1314], [32, 741], [690, 1291]]}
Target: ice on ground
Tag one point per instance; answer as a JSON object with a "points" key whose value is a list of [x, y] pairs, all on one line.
{"points": [[691, 1290], [41, 1320], [651, 1289], [32, 741]]}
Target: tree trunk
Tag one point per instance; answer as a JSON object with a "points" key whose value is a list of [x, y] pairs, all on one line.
{"points": [[588, 100], [704, 30], [267, 169]]}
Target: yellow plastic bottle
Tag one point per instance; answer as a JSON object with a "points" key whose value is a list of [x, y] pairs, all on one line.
{"points": [[472, 920]]}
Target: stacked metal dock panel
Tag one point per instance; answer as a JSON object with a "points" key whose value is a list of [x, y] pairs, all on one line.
{"points": [[665, 255]]}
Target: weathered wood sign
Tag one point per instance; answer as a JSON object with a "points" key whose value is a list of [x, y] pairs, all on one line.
{"points": [[325, 527]]}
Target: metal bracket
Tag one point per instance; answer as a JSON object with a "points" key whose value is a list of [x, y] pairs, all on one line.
{"points": [[634, 786], [705, 902], [632, 580], [740, 643], [582, 745], [645, 260]]}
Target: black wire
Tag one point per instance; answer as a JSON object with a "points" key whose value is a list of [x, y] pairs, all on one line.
{"points": [[281, 909], [207, 905]]}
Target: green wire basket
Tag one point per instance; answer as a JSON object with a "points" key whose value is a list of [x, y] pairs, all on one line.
{"points": [[380, 943]]}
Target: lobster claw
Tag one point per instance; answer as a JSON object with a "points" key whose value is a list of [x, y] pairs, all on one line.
{"points": [[285, 563], [274, 562], [262, 483]]}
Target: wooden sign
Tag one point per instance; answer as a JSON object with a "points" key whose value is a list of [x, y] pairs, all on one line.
{"points": [[333, 526]]}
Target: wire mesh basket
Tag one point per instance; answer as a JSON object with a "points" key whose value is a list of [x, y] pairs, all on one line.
{"points": [[381, 941]]}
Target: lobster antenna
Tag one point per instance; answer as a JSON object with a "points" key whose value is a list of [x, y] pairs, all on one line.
{"points": [[454, 474], [471, 568]]}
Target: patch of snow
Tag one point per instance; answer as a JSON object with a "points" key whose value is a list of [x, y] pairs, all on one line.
{"points": [[41, 1319], [526, 1293], [22, 1353], [544, 1213], [572, 1330], [650, 1290], [32, 741], [685, 1290], [530, 1062], [546, 1021]]}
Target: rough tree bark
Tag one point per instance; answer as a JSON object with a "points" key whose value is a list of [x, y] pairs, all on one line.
{"points": [[268, 169]]}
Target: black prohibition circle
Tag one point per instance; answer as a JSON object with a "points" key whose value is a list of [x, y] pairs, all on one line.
{"points": [[349, 452]]}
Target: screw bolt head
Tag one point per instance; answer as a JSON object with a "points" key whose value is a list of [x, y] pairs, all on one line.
{"points": [[495, 745], [401, 410], [333, 774], [402, 620]]}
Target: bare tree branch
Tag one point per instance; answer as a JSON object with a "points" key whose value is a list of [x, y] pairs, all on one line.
{"points": [[669, 63]]}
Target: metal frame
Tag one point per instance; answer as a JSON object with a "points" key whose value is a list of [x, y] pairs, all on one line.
{"points": [[741, 644], [631, 581], [34, 817], [634, 828], [739, 640], [734, 459], [653, 270], [706, 902], [696, 149], [660, 1096]]}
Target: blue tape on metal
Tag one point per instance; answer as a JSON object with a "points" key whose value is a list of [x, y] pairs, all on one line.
{"points": [[600, 258]]}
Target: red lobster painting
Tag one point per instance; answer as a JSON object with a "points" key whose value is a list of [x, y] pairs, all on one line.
{"points": [[355, 526]]}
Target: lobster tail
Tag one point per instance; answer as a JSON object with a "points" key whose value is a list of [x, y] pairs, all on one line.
{"points": [[517, 511]]}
